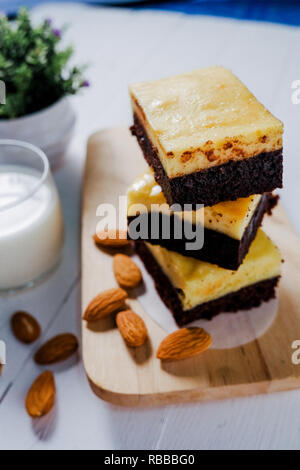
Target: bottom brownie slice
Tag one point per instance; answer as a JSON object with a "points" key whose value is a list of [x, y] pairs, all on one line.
{"points": [[194, 289]]}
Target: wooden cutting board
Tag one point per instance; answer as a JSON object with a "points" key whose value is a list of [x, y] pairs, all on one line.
{"points": [[135, 377]]}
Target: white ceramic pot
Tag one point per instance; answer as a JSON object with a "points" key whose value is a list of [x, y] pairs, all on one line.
{"points": [[49, 129]]}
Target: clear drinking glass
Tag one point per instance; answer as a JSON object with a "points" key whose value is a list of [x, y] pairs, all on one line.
{"points": [[31, 223]]}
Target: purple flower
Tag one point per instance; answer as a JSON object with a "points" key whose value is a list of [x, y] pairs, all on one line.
{"points": [[48, 21], [57, 32], [85, 83]]}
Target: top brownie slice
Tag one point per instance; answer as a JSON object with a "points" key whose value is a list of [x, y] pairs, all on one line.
{"points": [[207, 137]]}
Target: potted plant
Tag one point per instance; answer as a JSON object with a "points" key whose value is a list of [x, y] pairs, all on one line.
{"points": [[34, 68]]}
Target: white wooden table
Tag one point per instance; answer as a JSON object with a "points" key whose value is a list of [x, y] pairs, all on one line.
{"points": [[124, 46]]}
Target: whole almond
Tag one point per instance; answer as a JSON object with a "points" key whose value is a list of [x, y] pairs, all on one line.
{"points": [[132, 328], [184, 343], [41, 395], [127, 273], [111, 238], [25, 327], [105, 303], [57, 349]]}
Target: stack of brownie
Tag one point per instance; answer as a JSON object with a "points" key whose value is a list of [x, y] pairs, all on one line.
{"points": [[215, 156]]}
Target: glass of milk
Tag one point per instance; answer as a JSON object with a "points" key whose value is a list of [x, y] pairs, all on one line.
{"points": [[31, 223]]}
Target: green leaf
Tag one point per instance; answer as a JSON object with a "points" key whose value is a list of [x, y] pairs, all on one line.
{"points": [[34, 66]]}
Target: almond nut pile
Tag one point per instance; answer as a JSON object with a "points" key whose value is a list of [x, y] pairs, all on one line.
{"points": [[41, 395], [113, 301], [182, 344]]}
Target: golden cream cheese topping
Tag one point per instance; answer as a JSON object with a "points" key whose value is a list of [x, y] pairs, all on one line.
{"points": [[230, 218], [201, 282], [204, 118]]}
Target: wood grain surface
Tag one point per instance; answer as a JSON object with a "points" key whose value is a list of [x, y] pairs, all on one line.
{"points": [[130, 377]]}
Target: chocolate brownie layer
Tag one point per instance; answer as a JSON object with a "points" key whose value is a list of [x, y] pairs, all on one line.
{"points": [[243, 299], [227, 182], [218, 248]]}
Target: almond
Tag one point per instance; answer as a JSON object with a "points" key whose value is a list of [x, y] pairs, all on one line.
{"points": [[41, 396], [127, 273], [57, 349], [184, 343], [104, 304], [25, 327], [132, 328], [112, 238]]}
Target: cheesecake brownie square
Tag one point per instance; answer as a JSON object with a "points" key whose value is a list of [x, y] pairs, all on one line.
{"points": [[194, 289], [207, 137], [228, 228]]}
